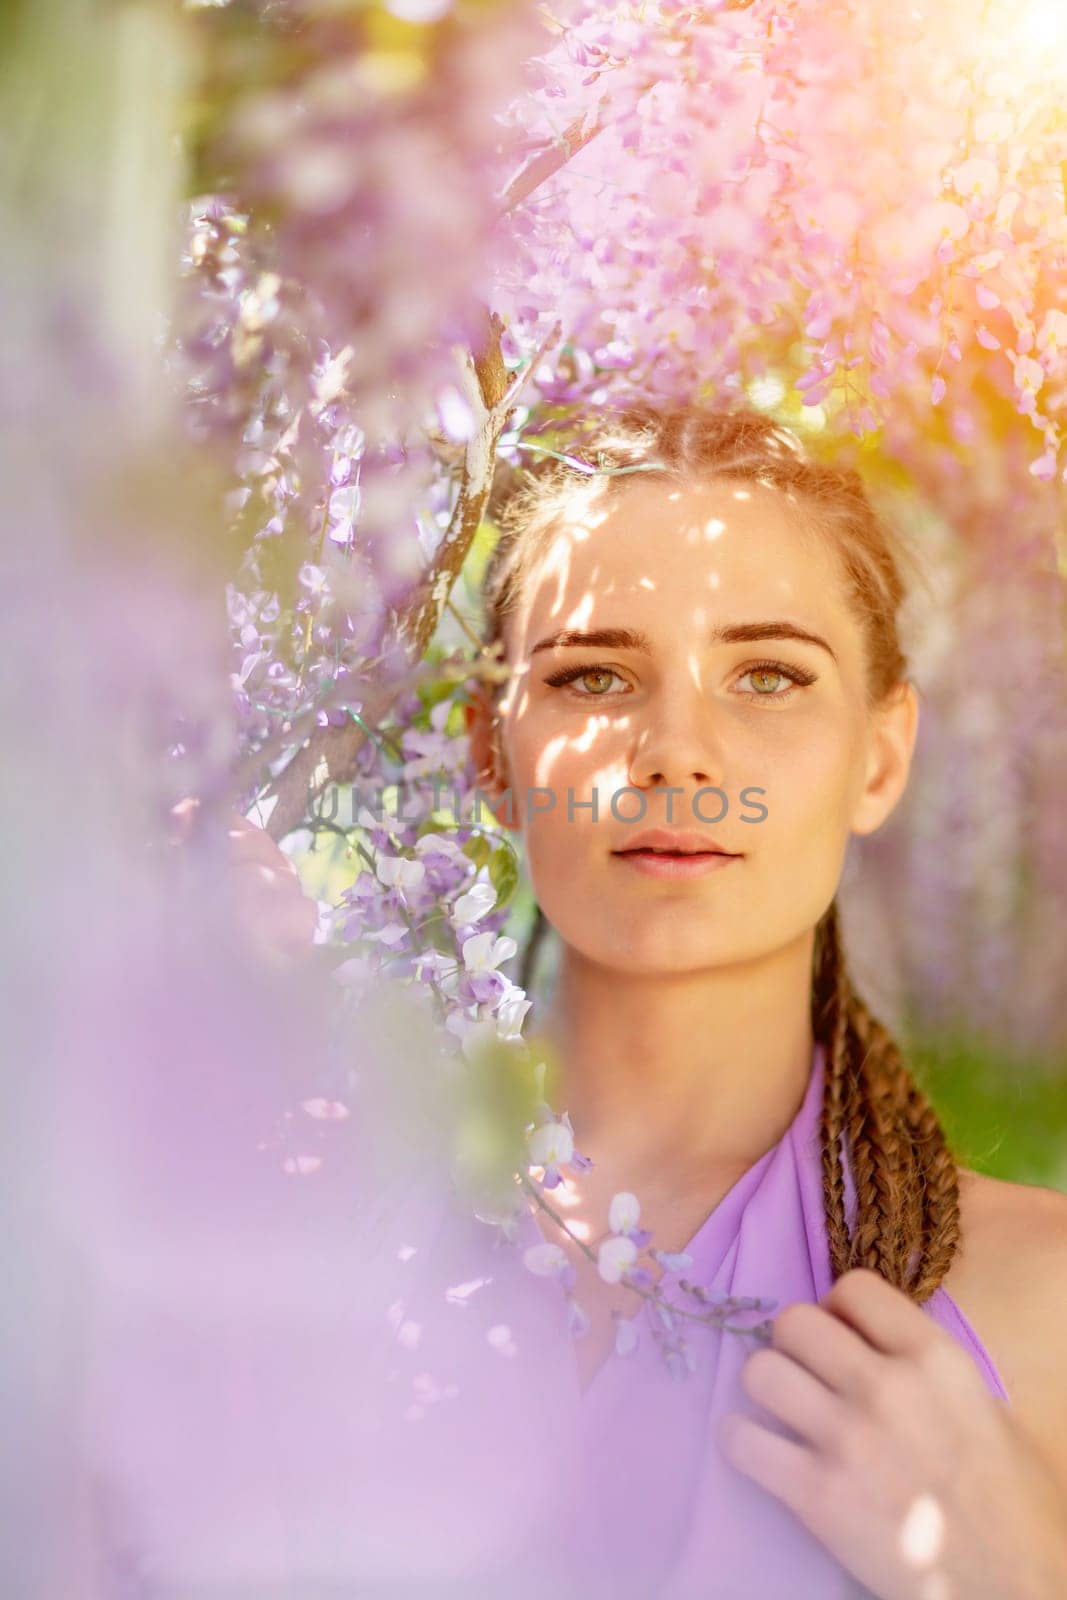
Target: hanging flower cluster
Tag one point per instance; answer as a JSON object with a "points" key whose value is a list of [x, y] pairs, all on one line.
{"points": [[879, 187]]}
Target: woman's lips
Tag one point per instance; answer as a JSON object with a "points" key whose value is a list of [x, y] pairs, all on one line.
{"points": [[663, 864]]}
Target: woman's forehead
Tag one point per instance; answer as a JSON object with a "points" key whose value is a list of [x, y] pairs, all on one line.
{"points": [[675, 550]]}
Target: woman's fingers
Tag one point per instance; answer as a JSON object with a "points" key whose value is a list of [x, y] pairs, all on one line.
{"points": [[794, 1395], [828, 1348]]}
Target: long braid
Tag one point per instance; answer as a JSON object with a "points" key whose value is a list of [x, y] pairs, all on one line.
{"points": [[907, 1194], [829, 1012]]}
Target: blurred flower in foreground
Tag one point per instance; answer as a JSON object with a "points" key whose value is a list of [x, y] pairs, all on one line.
{"points": [[254, 1325]]}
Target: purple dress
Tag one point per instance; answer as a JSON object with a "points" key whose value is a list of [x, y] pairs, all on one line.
{"points": [[663, 1512]]}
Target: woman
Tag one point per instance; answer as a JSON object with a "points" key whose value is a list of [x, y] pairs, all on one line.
{"points": [[727, 622], [715, 633]]}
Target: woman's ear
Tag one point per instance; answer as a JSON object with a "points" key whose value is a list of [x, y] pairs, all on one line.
{"points": [[479, 715], [894, 730], [483, 729]]}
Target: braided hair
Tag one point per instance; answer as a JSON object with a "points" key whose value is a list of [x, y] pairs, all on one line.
{"points": [[906, 1224]]}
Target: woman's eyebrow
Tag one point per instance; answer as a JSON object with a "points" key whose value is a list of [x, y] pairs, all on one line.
{"points": [[633, 639]]}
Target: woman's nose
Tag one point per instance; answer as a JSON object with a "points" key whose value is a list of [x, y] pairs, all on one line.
{"points": [[678, 744]]}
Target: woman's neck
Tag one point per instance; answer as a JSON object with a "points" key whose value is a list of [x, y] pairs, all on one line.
{"points": [[702, 1070]]}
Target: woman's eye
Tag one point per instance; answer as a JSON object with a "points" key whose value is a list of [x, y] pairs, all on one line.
{"points": [[576, 675], [768, 677], [772, 680]]}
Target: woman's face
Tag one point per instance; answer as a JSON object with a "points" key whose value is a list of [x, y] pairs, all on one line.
{"points": [[779, 725]]}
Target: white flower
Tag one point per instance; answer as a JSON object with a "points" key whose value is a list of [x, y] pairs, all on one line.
{"points": [[397, 872], [545, 1260], [624, 1213], [479, 899], [511, 1011], [550, 1145], [615, 1256], [483, 952]]}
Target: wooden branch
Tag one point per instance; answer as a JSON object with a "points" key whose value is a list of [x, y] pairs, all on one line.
{"points": [[490, 392], [552, 157], [330, 754]]}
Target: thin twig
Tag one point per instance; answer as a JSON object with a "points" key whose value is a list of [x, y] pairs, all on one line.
{"points": [[646, 1294]]}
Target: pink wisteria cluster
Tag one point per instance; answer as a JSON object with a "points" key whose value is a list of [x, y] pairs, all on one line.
{"points": [[862, 199]]}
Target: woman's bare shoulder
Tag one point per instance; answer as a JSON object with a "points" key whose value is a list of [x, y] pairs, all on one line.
{"points": [[1009, 1277], [996, 1205], [1013, 1246]]}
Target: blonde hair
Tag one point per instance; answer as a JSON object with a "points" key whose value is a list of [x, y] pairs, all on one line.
{"points": [[907, 1223]]}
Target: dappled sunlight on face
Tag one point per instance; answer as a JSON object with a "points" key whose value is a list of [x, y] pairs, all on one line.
{"points": [[668, 696]]}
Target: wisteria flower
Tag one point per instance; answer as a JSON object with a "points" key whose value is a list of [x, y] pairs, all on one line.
{"points": [[551, 1146], [616, 1257], [548, 1261], [623, 1215], [511, 1012], [482, 954], [400, 872], [476, 903], [434, 966]]}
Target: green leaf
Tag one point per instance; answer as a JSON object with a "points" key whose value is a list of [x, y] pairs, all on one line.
{"points": [[479, 850], [504, 873], [477, 558]]}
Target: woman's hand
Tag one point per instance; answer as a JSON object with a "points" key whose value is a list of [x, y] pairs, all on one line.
{"points": [[277, 915], [901, 1462]]}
